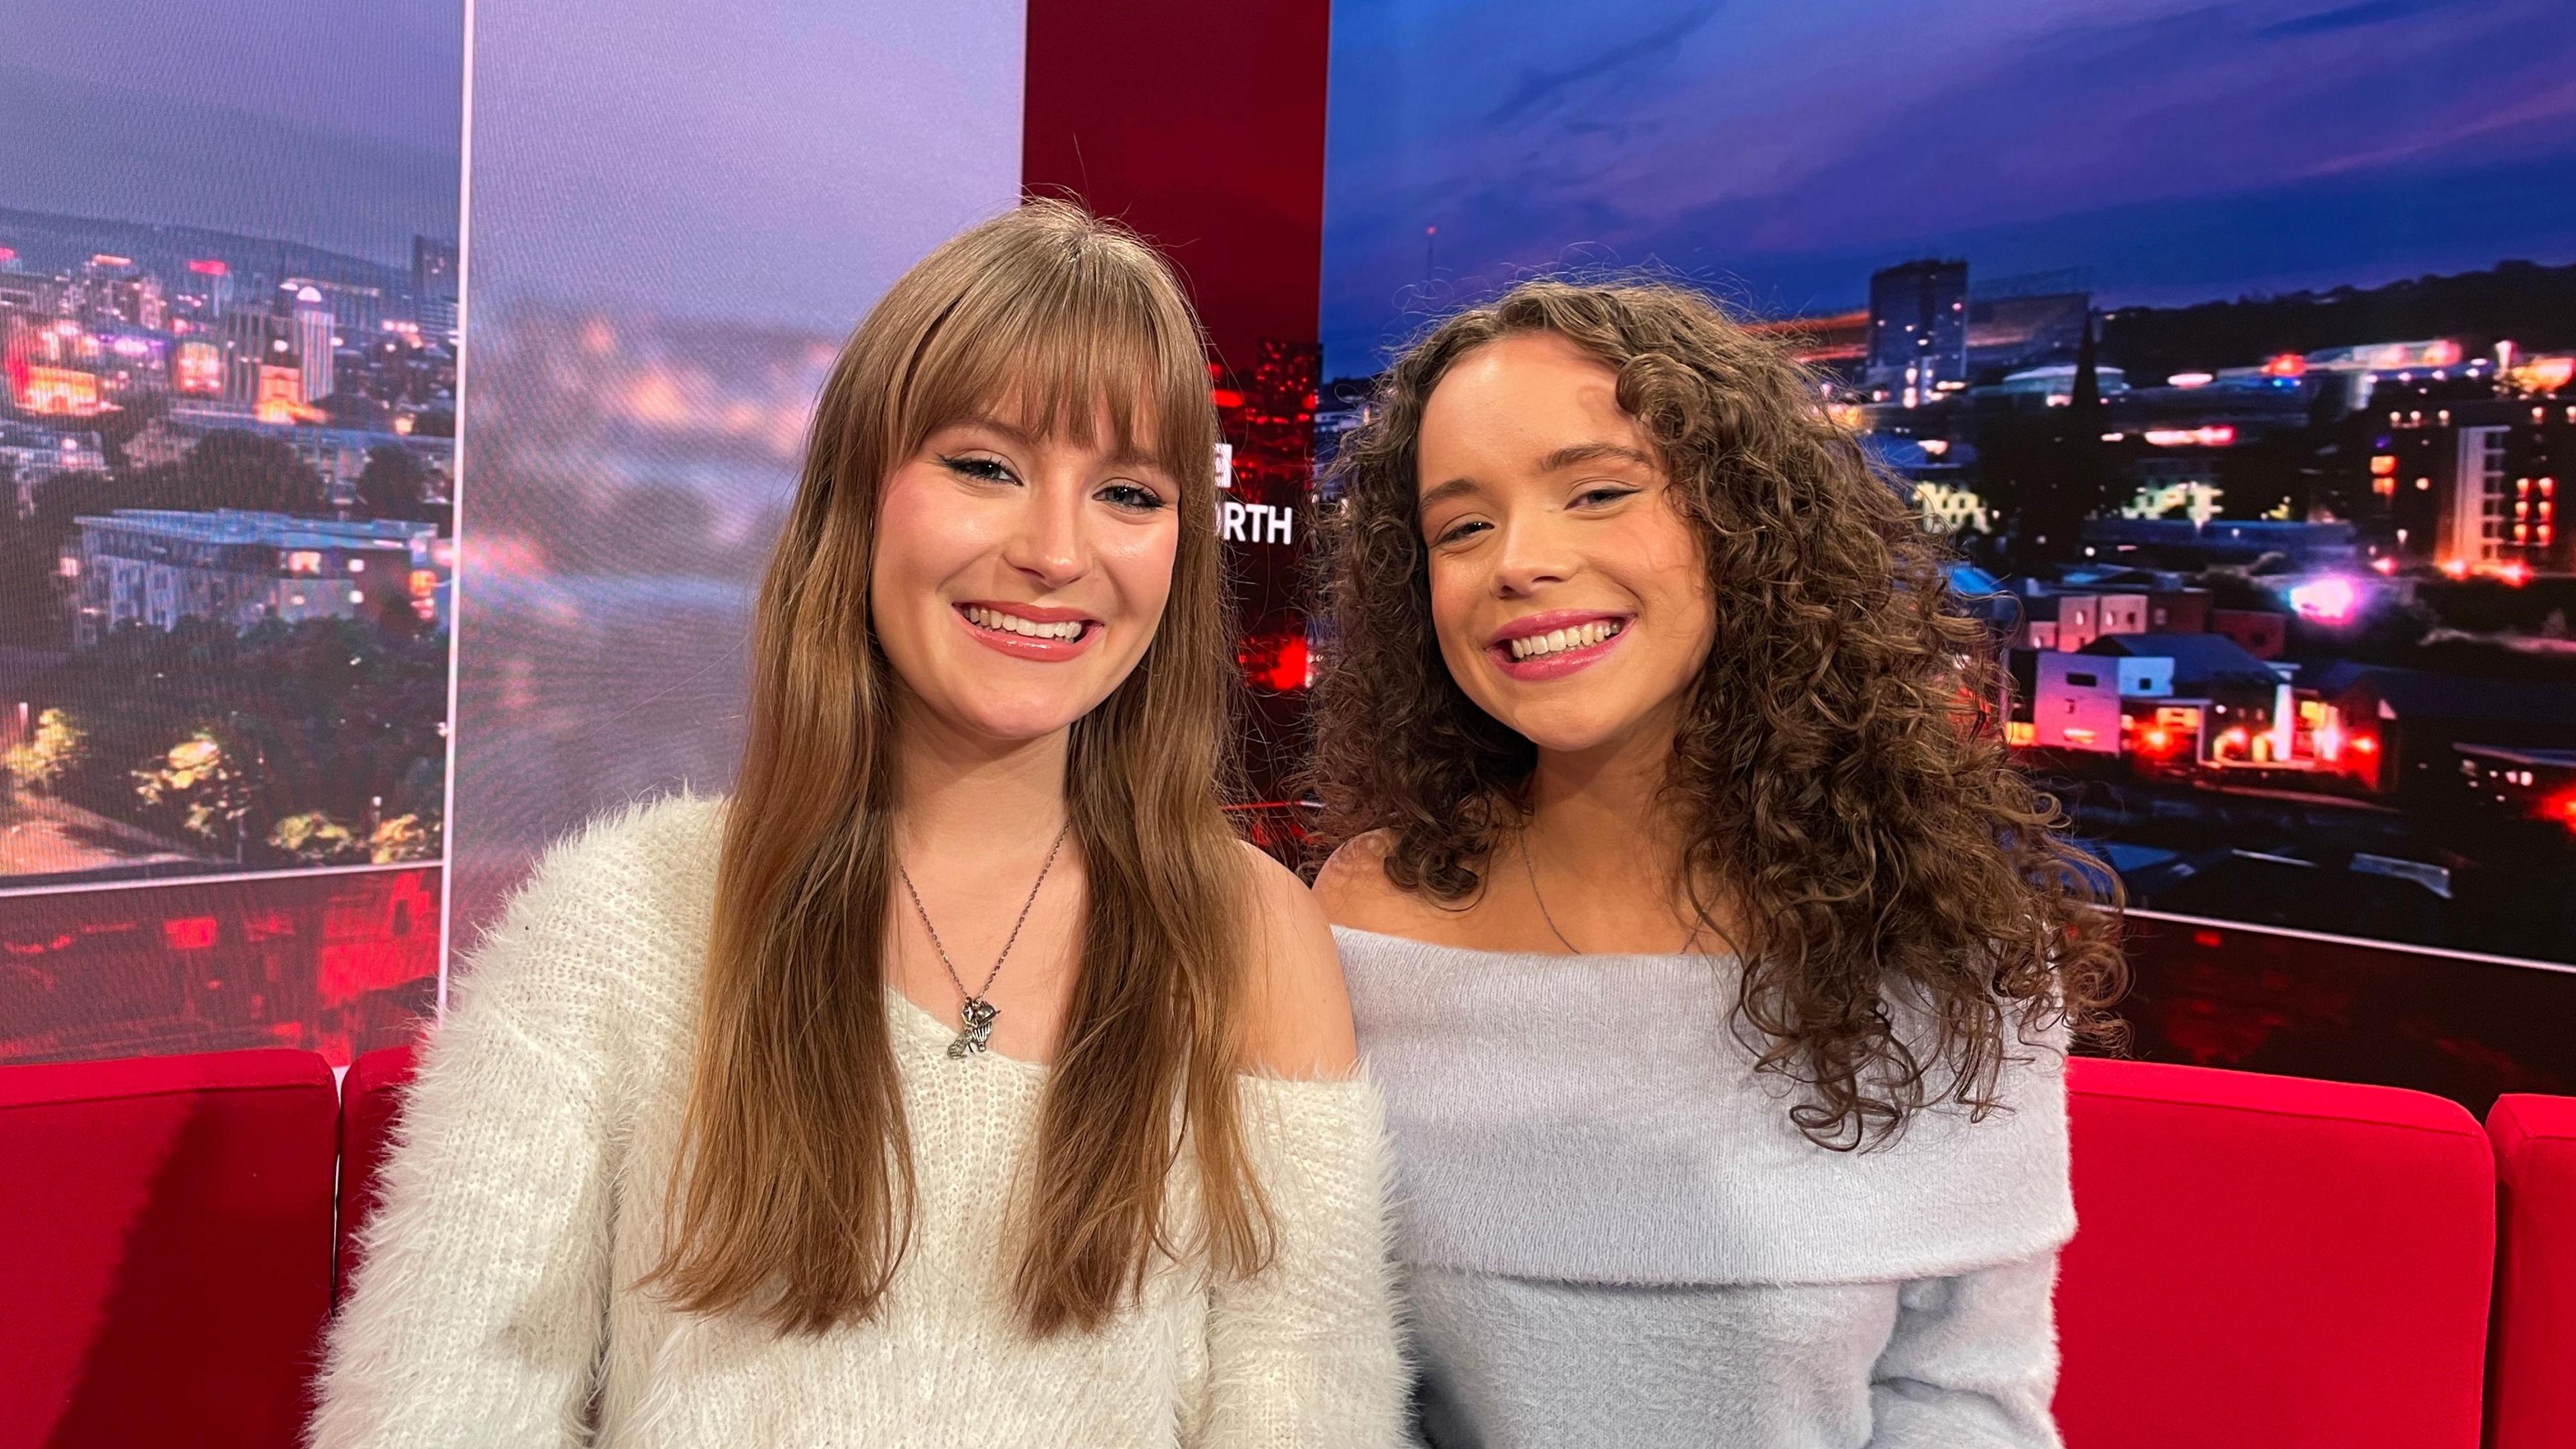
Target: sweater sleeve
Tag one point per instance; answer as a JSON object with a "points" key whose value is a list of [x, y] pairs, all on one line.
{"points": [[1306, 1353], [476, 1315], [1972, 1363]]}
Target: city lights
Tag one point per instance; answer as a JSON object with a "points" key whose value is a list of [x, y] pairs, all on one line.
{"points": [[2329, 600], [2214, 435]]}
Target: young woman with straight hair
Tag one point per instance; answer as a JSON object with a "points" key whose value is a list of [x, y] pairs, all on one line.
{"points": [[963, 1079], [1717, 963]]}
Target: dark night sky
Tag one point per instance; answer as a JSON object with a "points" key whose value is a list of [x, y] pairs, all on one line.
{"points": [[1781, 150]]}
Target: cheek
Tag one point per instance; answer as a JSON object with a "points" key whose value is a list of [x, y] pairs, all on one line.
{"points": [[1456, 588], [1661, 562], [1139, 562], [920, 542]]}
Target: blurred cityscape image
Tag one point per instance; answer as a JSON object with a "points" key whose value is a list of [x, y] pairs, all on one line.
{"points": [[227, 530], [2258, 482]]}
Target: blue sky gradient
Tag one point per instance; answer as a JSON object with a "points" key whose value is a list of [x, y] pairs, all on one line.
{"points": [[2171, 150]]}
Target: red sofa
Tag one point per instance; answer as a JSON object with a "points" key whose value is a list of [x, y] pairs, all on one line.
{"points": [[370, 1096], [165, 1249], [2531, 1401], [2265, 1261], [2262, 1261]]}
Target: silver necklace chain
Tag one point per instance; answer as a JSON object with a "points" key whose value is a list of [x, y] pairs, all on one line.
{"points": [[1529, 864], [975, 1013]]}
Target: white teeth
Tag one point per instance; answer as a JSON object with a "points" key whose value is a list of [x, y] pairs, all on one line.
{"points": [[998, 621], [1532, 646]]}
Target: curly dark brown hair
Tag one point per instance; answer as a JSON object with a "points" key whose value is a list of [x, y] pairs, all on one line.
{"points": [[1840, 770]]}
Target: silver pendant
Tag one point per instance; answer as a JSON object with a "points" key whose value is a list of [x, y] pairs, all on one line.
{"points": [[977, 1016]]}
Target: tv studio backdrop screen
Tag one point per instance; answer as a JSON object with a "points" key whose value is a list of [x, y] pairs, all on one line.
{"points": [[399, 406]]}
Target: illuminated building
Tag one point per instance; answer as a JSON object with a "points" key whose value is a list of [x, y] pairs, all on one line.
{"points": [[63, 391], [440, 319], [1947, 509], [198, 368], [434, 271], [33, 292], [113, 289], [33, 454], [314, 325], [2077, 704], [247, 342], [2259, 632], [2468, 483], [356, 308], [2533, 783], [2070, 621], [1918, 330], [207, 286], [2422, 725], [2234, 708], [2178, 611], [154, 567], [2172, 483]]}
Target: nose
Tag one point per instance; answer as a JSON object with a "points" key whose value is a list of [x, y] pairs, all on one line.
{"points": [[1050, 545], [1535, 552]]}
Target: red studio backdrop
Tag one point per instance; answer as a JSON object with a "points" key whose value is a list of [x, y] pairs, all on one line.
{"points": [[1202, 126]]}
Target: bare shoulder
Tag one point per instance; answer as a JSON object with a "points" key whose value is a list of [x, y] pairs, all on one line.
{"points": [[1354, 891], [1298, 1012]]}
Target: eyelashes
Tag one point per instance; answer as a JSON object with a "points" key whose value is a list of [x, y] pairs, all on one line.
{"points": [[1132, 497], [989, 470], [1602, 497]]}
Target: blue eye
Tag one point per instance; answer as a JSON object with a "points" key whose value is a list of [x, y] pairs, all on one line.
{"points": [[1605, 495], [989, 470], [1133, 496]]}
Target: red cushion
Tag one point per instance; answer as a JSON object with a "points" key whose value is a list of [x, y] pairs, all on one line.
{"points": [[2531, 1401], [2265, 1261], [370, 1096], [165, 1249]]}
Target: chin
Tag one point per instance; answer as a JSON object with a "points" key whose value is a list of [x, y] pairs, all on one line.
{"points": [[1570, 726], [1017, 719]]}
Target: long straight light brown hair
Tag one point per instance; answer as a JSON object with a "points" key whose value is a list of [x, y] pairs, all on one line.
{"points": [[794, 1196]]}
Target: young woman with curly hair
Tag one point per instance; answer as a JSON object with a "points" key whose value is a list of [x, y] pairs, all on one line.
{"points": [[1716, 962]]}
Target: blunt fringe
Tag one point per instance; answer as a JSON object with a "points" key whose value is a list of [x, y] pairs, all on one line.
{"points": [[794, 1194]]}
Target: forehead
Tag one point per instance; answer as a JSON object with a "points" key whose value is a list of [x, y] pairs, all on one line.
{"points": [[1128, 430], [1509, 405], [1531, 393]]}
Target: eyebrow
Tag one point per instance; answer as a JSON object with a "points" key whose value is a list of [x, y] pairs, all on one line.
{"points": [[1130, 457], [1582, 453], [1446, 491], [1573, 456]]}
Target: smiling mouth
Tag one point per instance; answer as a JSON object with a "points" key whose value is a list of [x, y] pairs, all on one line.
{"points": [[997, 621], [1559, 641]]}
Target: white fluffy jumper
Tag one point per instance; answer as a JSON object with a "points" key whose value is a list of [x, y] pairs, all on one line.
{"points": [[1614, 1235], [496, 1304]]}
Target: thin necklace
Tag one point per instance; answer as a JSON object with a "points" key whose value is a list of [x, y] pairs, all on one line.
{"points": [[1530, 864], [975, 1014]]}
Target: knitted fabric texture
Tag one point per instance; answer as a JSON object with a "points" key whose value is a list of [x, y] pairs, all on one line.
{"points": [[496, 1302], [1613, 1234]]}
